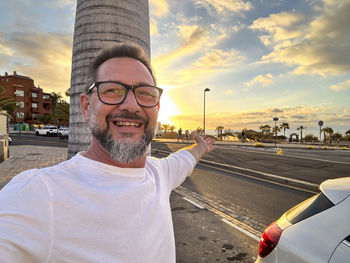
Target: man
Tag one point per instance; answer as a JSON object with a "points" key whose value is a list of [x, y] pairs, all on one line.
{"points": [[110, 203]]}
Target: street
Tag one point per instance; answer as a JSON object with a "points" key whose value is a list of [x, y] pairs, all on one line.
{"points": [[229, 206]]}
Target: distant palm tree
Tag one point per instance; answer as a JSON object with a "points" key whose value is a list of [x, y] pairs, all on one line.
{"points": [[284, 126], [219, 130], [328, 130], [199, 130], [172, 128], [98, 24], [265, 128], [347, 132], [301, 128], [7, 103], [165, 127]]}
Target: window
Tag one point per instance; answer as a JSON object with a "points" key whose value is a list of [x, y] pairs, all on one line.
{"points": [[20, 104], [34, 95], [46, 96], [19, 93], [34, 105], [20, 115], [35, 116]]}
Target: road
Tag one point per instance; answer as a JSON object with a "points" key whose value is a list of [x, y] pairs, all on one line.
{"points": [[242, 200]]}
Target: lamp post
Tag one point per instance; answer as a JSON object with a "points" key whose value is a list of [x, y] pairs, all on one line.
{"points": [[275, 119], [204, 111], [320, 123]]}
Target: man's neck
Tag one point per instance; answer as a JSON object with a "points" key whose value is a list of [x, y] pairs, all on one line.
{"points": [[97, 153]]}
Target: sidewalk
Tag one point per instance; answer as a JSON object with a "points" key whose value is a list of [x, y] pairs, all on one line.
{"points": [[200, 235]]}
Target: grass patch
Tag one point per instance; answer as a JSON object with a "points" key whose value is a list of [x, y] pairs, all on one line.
{"points": [[259, 144]]}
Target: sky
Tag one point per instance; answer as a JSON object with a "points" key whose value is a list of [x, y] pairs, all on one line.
{"points": [[260, 58]]}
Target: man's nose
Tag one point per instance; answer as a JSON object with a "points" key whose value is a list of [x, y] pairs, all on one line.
{"points": [[130, 103]]}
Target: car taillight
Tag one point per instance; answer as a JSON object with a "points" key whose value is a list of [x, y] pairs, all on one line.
{"points": [[269, 239]]}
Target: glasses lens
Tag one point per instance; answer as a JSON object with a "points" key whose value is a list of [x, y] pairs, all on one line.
{"points": [[147, 95], [111, 92]]}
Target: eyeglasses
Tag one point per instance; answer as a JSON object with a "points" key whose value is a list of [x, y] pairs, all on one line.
{"points": [[114, 93]]}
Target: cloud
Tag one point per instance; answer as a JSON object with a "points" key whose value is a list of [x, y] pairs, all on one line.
{"points": [[153, 27], [341, 86], [159, 8], [191, 39], [224, 6], [228, 92], [311, 45], [265, 81], [252, 119], [44, 57]]}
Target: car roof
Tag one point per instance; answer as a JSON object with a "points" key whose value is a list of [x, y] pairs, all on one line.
{"points": [[336, 190]]}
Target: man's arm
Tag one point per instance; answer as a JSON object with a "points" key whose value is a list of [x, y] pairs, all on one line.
{"points": [[201, 147]]}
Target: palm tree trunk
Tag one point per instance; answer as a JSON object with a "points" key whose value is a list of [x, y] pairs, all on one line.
{"points": [[100, 23]]}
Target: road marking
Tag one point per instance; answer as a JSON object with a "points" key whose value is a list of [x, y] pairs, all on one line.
{"points": [[271, 177], [188, 200], [241, 229], [287, 155], [261, 179], [246, 229]]}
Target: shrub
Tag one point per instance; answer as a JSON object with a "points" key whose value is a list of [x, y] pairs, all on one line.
{"points": [[309, 147], [259, 144]]}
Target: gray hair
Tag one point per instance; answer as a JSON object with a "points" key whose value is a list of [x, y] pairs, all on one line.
{"points": [[115, 51]]}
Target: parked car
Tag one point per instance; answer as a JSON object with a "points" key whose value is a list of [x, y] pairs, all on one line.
{"points": [[49, 130], [63, 131], [316, 230]]}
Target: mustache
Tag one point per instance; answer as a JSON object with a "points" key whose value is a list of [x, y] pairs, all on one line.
{"points": [[127, 115]]}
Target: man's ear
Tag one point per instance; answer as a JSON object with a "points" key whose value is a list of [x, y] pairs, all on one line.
{"points": [[84, 106]]}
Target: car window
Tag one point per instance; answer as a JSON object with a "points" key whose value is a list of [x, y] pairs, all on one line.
{"points": [[308, 208]]}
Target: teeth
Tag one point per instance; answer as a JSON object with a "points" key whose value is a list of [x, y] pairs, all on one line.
{"points": [[126, 123]]}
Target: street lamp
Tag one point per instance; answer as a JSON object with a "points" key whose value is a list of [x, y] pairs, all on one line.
{"points": [[320, 123], [275, 119], [204, 111]]}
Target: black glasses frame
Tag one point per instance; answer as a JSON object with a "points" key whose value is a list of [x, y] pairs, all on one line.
{"points": [[127, 87]]}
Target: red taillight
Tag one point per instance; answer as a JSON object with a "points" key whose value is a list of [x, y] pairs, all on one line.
{"points": [[269, 239]]}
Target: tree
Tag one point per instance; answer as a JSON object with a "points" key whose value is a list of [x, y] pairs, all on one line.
{"points": [[62, 110], [199, 130], [219, 130], [284, 126], [265, 128], [301, 128], [328, 130], [347, 132], [7, 103], [99, 24], [228, 132], [172, 128], [165, 127], [337, 136], [276, 129]]}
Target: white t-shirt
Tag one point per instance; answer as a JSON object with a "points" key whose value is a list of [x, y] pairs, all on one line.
{"points": [[85, 211]]}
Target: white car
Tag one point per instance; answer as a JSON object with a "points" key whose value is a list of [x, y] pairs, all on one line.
{"points": [[63, 131], [316, 230], [49, 130]]}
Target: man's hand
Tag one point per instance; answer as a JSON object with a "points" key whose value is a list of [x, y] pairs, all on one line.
{"points": [[202, 146]]}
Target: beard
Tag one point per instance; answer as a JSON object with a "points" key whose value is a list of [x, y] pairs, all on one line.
{"points": [[123, 150]]}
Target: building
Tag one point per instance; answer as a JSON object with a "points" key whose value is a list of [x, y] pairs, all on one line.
{"points": [[31, 100]]}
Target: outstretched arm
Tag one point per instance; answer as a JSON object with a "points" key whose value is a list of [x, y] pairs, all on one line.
{"points": [[202, 146]]}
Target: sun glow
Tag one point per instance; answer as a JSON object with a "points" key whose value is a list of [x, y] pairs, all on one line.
{"points": [[167, 107]]}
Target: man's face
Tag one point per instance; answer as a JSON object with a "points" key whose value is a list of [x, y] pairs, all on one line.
{"points": [[124, 130]]}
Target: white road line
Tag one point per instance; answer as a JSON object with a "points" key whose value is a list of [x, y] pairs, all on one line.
{"points": [[293, 156], [241, 229], [193, 203]]}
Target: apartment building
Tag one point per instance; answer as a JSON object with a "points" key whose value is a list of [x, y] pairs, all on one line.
{"points": [[31, 100]]}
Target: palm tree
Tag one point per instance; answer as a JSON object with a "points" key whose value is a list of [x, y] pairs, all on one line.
{"points": [[98, 24], [172, 128], [329, 131], [7, 103], [301, 128], [219, 130], [284, 126], [165, 127], [265, 128]]}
